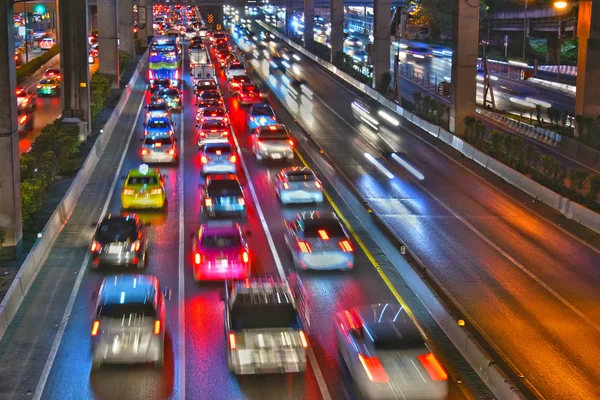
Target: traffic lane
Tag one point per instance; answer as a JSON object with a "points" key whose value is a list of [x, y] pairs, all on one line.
{"points": [[73, 371], [206, 362], [330, 292], [433, 236]]}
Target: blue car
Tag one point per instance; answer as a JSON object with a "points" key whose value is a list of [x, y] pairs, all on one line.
{"points": [[261, 115], [157, 126]]}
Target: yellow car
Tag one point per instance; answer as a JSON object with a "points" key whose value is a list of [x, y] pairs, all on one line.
{"points": [[143, 188], [48, 87]]}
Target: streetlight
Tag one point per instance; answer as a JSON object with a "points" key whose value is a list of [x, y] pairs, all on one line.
{"points": [[559, 5]]}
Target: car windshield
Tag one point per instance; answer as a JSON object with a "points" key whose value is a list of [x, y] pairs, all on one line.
{"points": [[218, 35], [126, 310], [157, 107], [213, 125], [220, 240], [224, 187], [163, 140], [262, 111], [213, 149], [142, 180], [330, 226], [154, 124], [116, 230], [263, 316]]}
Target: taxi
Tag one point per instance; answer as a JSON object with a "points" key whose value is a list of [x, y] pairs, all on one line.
{"points": [[143, 188], [48, 87]]}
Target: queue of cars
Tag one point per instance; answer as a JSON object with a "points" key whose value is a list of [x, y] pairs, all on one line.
{"points": [[266, 319]]}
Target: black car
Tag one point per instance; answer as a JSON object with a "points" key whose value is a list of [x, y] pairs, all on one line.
{"points": [[119, 241], [159, 84]]}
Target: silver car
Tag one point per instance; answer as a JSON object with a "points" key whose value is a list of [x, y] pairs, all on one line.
{"points": [[387, 356], [298, 185], [157, 109], [213, 131], [119, 241], [129, 321], [318, 242], [218, 158], [159, 148]]}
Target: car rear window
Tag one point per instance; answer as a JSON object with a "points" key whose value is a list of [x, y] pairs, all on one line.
{"points": [[331, 227], [236, 66], [210, 94], [157, 107], [126, 310], [164, 140], [212, 149], [224, 187], [257, 317], [142, 180], [250, 88], [170, 92], [213, 112], [116, 230], [213, 125], [300, 177], [266, 111], [160, 124], [220, 240]]}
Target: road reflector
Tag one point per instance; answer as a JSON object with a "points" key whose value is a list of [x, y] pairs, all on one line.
{"points": [[82, 84]]}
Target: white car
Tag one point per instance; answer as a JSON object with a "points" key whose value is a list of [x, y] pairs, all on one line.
{"points": [[47, 43], [298, 185], [235, 69]]}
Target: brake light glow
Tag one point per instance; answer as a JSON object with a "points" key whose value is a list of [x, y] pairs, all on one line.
{"points": [[218, 152], [323, 234], [95, 328], [159, 144], [144, 152], [203, 159], [318, 185], [225, 119], [23, 119], [156, 191], [286, 186], [157, 327], [241, 201], [232, 344], [272, 127], [197, 258], [95, 246], [202, 133], [208, 202], [135, 246], [172, 152], [303, 339], [245, 256], [291, 142], [433, 367], [304, 247], [346, 246], [128, 192], [233, 158], [373, 368]]}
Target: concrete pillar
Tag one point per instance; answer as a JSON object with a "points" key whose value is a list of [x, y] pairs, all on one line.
{"points": [[149, 21], [74, 59], [10, 186], [587, 102], [288, 16], [142, 22], [309, 24], [126, 26], [552, 49], [465, 39], [337, 28], [381, 43], [108, 47]]}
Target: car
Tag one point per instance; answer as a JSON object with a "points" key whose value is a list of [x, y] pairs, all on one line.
{"points": [[249, 93], [158, 84], [213, 131], [158, 126], [26, 100], [196, 43], [159, 148], [261, 114], [190, 32], [143, 188], [266, 36], [260, 51], [48, 87], [318, 241], [217, 158], [353, 41], [25, 123], [129, 321], [298, 185], [203, 31], [235, 68], [213, 114], [203, 104], [220, 252], [387, 355], [359, 55], [218, 36], [223, 57], [52, 73], [222, 44], [156, 111], [272, 142], [119, 240], [210, 94], [235, 83], [47, 43], [223, 197], [172, 97], [203, 85]]}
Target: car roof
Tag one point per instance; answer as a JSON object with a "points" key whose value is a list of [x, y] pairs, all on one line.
{"points": [[221, 177], [138, 174], [128, 288], [159, 119], [315, 216], [261, 106], [389, 321], [216, 227]]}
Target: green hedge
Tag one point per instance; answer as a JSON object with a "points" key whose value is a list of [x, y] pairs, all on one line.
{"points": [[124, 60], [28, 69], [99, 92]]}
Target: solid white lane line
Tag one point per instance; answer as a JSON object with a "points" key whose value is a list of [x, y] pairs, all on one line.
{"points": [[39, 390], [181, 272]]}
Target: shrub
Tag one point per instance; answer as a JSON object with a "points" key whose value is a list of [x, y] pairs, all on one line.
{"points": [[385, 80], [532, 156], [577, 178], [99, 92], [550, 167], [496, 139], [594, 188], [32, 195], [62, 141], [28, 69], [124, 60]]}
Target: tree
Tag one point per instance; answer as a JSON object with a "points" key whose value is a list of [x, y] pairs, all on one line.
{"points": [[577, 178], [538, 113], [518, 148], [550, 167], [594, 188], [496, 139], [418, 98], [532, 156]]}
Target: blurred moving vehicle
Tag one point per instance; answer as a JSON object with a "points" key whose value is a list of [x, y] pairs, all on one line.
{"points": [[210, 94], [220, 252], [261, 115], [46, 43], [213, 114], [52, 73], [318, 242], [223, 197], [158, 110], [387, 355], [264, 325], [213, 131], [159, 84], [298, 185], [159, 148], [236, 82], [48, 87], [172, 97], [129, 321], [218, 158], [119, 241], [272, 142], [143, 188], [249, 93], [235, 68], [158, 125], [26, 100]]}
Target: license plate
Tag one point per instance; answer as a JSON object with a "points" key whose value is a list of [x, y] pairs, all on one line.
{"points": [[114, 249], [276, 156]]}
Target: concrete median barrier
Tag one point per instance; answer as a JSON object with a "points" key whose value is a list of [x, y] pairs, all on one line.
{"points": [[37, 255]]}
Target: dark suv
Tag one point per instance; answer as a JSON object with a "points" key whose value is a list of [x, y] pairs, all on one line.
{"points": [[119, 241]]}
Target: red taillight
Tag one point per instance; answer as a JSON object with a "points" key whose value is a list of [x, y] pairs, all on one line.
{"points": [[128, 192], [225, 133], [245, 256], [346, 246], [144, 152], [218, 152], [208, 202], [202, 134], [303, 339], [95, 328], [203, 159], [241, 201], [156, 191], [323, 234], [157, 327], [23, 119], [233, 158], [433, 367], [95, 247], [318, 185], [232, 344], [158, 144], [260, 94], [172, 152], [135, 246], [373, 368], [197, 258], [304, 247], [286, 186], [291, 142], [225, 119]]}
